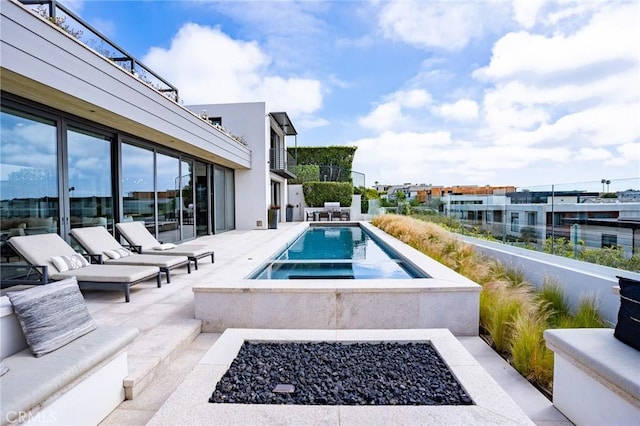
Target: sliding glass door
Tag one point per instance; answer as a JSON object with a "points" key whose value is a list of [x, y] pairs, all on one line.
{"points": [[89, 181], [29, 191], [223, 199]]}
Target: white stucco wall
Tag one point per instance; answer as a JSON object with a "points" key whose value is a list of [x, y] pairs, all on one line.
{"points": [[252, 187]]}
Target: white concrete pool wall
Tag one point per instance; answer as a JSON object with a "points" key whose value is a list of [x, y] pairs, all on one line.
{"points": [[445, 300], [189, 403]]}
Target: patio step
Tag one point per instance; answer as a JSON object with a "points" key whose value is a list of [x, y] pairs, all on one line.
{"points": [[152, 352]]}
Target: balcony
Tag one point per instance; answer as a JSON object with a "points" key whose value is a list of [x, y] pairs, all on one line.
{"points": [[282, 163]]}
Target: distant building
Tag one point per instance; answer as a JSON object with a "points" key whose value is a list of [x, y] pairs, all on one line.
{"points": [[577, 216]]}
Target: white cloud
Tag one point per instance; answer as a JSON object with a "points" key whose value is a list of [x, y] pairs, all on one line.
{"points": [[431, 24], [526, 11], [630, 151], [437, 157], [210, 67], [383, 117], [588, 154], [389, 114], [578, 91], [612, 35], [462, 110]]}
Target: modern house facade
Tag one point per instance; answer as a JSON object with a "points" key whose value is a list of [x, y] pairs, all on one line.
{"points": [[268, 134], [87, 142]]}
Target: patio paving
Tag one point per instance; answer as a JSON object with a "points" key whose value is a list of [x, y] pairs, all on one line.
{"points": [[170, 344]]}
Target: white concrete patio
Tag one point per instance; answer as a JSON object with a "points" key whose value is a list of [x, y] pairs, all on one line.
{"points": [[171, 345]]}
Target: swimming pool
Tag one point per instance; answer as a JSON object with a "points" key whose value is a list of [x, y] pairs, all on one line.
{"points": [[337, 252]]}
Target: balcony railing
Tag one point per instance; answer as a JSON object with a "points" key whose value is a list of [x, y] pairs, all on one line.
{"points": [[82, 31], [282, 163]]}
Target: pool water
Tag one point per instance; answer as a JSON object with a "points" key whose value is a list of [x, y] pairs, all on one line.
{"points": [[336, 252]]}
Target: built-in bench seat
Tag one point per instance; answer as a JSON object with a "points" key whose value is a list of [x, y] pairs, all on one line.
{"points": [[79, 383], [596, 377]]}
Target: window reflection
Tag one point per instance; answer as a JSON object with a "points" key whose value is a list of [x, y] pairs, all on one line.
{"points": [[168, 176], [137, 186], [29, 178], [186, 182], [90, 189]]}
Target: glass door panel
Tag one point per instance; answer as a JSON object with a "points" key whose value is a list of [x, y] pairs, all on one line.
{"points": [[168, 190], [201, 204], [229, 200], [186, 199], [29, 202], [89, 179], [223, 199], [138, 189]]}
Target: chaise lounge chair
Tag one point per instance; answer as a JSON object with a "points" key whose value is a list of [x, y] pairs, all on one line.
{"points": [[96, 240], [62, 261], [139, 237]]}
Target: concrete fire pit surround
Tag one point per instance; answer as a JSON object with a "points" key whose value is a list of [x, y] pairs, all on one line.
{"points": [[189, 403]]}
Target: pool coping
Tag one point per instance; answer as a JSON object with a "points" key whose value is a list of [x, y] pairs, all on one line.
{"points": [[188, 404], [446, 300]]}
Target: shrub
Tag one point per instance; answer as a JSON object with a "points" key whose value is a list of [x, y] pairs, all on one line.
{"points": [[317, 193], [306, 173]]}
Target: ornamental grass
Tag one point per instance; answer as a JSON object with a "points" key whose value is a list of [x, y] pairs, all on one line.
{"points": [[513, 314]]}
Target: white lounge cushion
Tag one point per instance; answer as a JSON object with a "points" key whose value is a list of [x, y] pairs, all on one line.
{"points": [[51, 315]]}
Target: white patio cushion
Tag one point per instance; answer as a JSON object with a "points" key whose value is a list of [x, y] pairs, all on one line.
{"points": [[137, 234], [38, 249], [109, 273], [98, 240], [149, 259], [194, 250], [95, 239]]}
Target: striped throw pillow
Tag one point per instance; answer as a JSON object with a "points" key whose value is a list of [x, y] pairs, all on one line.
{"points": [[51, 315], [66, 263]]}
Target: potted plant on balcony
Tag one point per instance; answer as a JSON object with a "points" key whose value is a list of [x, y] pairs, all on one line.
{"points": [[289, 212], [272, 215]]}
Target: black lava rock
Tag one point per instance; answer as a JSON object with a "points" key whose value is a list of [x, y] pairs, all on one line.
{"points": [[340, 374]]}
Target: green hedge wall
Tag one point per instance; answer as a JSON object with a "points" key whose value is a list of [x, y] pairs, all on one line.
{"points": [[335, 161], [317, 193], [306, 173]]}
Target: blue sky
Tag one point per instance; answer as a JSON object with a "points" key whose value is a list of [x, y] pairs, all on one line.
{"points": [[522, 92]]}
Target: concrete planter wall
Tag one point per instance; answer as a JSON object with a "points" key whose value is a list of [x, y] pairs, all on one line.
{"points": [[578, 279]]}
